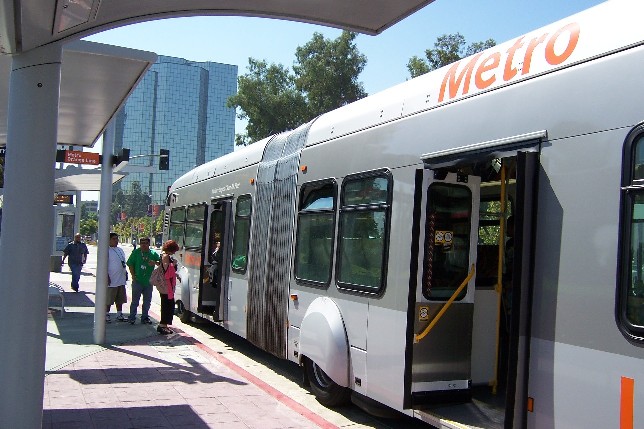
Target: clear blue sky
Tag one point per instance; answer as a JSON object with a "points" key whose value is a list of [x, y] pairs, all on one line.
{"points": [[232, 40]]}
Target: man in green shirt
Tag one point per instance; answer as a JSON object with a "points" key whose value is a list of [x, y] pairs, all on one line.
{"points": [[141, 264]]}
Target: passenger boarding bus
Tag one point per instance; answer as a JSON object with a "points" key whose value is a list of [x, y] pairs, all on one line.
{"points": [[466, 247]]}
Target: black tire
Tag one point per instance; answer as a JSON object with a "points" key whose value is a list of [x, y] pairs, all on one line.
{"points": [[184, 315], [326, 391]]}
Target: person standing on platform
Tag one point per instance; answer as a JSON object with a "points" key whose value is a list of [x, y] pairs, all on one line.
{"points": [[169, 265], [77, 253], [141, 264], [116, 278]]}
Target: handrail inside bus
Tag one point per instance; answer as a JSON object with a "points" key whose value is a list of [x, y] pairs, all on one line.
{"points": [[418, 337]]}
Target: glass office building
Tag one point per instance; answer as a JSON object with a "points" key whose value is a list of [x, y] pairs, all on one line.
{"points": [[179, 105]]}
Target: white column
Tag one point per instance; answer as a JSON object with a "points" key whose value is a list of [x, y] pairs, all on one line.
{"points": [[104, 218], [27, 232]]}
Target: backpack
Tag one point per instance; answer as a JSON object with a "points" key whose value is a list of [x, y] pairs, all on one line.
{"points": [[157, 279]]}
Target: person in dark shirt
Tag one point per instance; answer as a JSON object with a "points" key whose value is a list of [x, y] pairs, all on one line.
{"points": [[77, 253]]}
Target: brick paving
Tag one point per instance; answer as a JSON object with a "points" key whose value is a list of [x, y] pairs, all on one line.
{"points": [[163, 382], [139, 379]]}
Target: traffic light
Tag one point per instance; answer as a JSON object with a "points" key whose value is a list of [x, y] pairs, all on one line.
{"points": [[164, 159]]}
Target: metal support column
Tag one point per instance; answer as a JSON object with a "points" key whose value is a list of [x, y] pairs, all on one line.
{"points": [[27, 232], [104, 205]]}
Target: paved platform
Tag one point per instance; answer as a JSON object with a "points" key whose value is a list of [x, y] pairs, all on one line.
{"points": [[200, 377], [140, 379]]}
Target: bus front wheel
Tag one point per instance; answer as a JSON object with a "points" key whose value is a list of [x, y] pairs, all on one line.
{"points": [[184, 315], [326, 391]]}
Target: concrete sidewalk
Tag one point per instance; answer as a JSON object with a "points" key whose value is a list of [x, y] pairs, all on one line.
{"points": [[140, 379]]}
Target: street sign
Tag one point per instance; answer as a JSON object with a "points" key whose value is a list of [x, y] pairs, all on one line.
{"points": [[63, 199], [78, 157]]}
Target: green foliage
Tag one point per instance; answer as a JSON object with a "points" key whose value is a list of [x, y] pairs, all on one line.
{"points": [[448, 49], [134, 203], [88, 226], [268, 99], [327, 72], [273, 99]]}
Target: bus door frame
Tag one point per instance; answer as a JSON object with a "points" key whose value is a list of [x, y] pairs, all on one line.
{"points": [[218, 311], [428, 313], [525, 214], [526, 148]]}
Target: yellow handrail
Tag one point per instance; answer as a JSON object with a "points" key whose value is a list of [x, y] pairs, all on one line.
{"points": [[418, 337]]}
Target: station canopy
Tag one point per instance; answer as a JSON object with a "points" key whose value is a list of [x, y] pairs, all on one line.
{"points": [[27, 24], [95, 81]]}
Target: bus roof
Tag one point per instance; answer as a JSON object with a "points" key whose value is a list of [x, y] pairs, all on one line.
{"points": [[240, 158], [606, 28]]}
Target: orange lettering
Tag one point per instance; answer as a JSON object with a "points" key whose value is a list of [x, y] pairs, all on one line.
{"points": [[527, 59], [551, 56], [490, 63], [509, 72], [455, 82]]}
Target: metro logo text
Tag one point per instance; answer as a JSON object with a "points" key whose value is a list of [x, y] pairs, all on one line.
{"points": [[493, 67]]}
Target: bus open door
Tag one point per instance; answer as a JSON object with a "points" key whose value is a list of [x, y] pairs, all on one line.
{"points": [[212, 292], [441, 362]]}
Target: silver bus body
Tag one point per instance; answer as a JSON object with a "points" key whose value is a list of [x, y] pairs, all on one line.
{"points": [[554, 110]]}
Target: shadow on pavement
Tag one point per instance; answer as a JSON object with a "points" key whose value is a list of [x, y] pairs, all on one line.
{"points": [[78, 328], [159, 416]]}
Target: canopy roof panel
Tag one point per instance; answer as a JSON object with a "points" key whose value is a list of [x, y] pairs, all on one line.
{"points": [[96, 79], [26, 24]]}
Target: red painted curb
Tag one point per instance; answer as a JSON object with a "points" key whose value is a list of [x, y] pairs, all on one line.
{"points": [[294, 405]]}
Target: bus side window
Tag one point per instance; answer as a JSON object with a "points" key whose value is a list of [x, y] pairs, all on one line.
{"points": [[177, 221], [631, 287], [363, 232], [315, 233], [241, 234]]}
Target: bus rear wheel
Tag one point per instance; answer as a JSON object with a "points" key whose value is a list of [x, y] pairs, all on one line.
{"points": [[326, 391]]}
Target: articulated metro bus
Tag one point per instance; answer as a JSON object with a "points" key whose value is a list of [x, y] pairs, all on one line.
{"points": [[466, 247]]}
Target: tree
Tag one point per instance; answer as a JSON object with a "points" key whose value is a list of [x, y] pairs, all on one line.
{"points": [[268, 99], [88, 226], [327, 72], [274, 99], [448, 49], [134, 203]]}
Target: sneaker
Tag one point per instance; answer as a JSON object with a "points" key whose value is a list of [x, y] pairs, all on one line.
{"points": [[108, 319], [120, 318], [75, 289], [146, 321], [131, 321]]}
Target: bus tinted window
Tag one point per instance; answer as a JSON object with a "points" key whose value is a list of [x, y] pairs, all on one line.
{"points": [[371, 190], [195, 224], [241, 234], [175, 232], [178, 215], [364, 220], [447, 243], [631, 294], [196, 213], [315, 232], [194, 235]]}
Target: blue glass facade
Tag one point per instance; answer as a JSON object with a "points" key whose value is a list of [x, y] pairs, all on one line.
{"points": [[179, 105]]}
